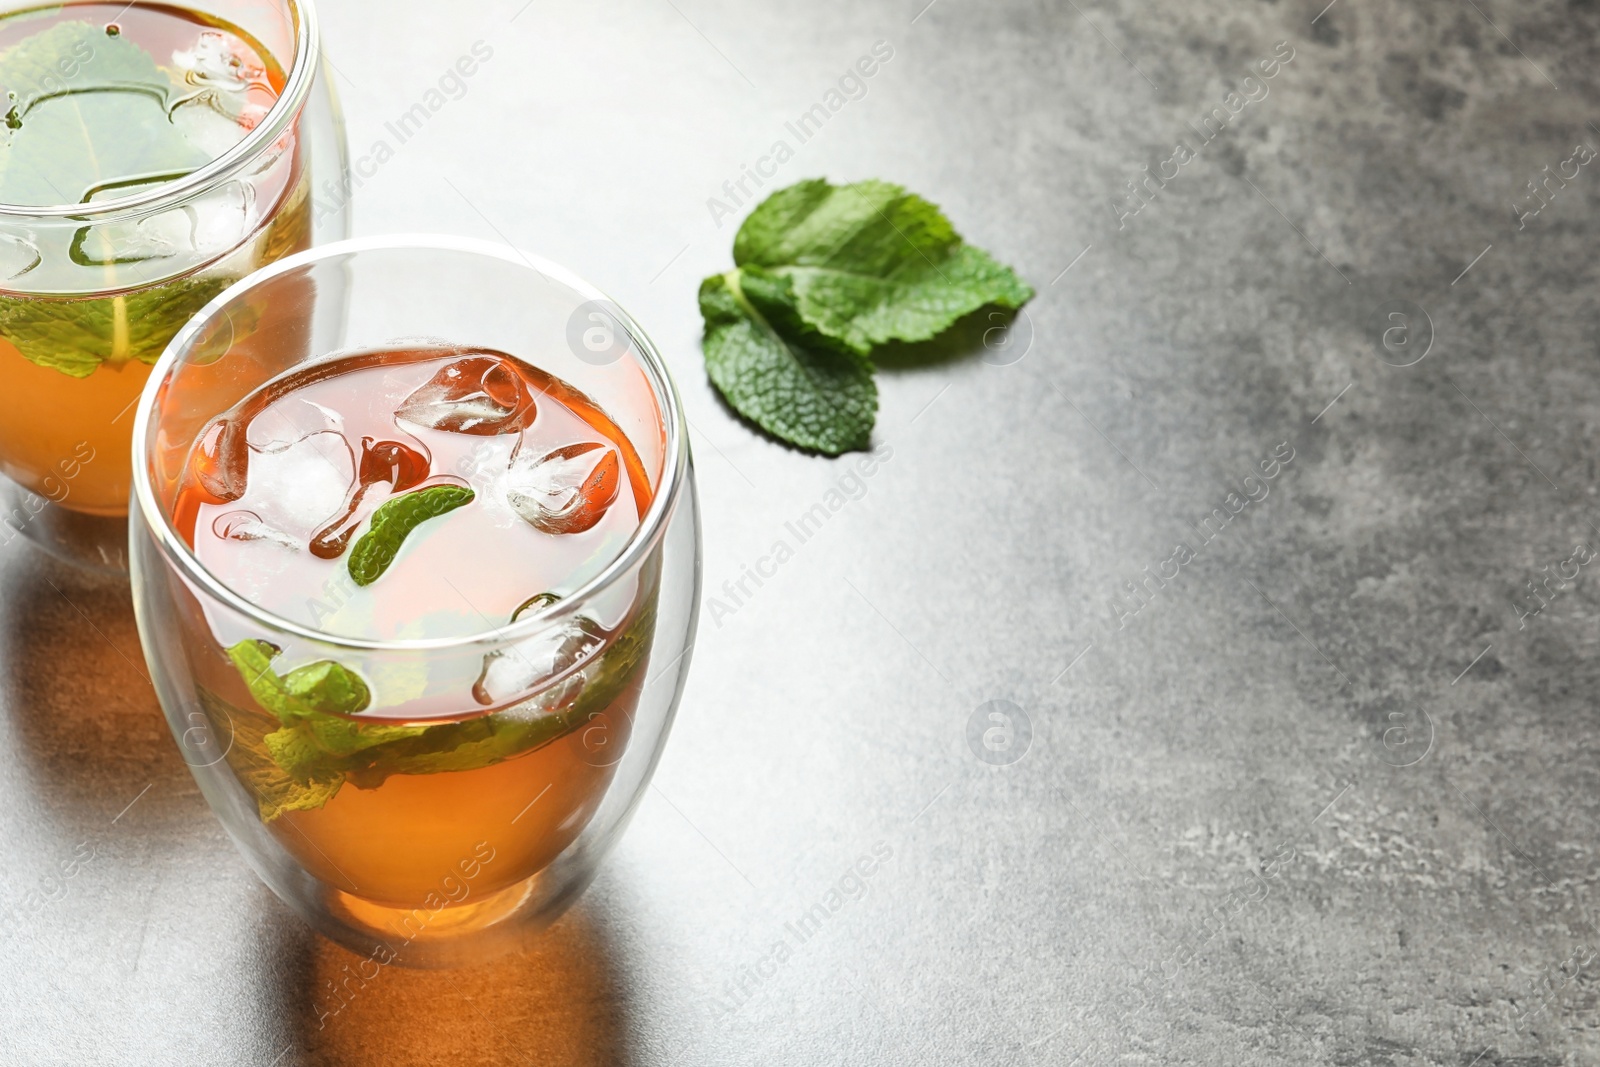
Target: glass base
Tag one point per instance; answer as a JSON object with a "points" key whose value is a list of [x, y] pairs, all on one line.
{"points": [[95, 543], [442, 934]]}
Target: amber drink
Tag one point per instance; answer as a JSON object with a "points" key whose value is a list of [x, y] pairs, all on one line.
{"points": [[409, 492], [151, 156], [416, 565]]}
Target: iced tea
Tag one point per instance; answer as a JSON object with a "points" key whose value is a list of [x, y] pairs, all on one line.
{"points": [[105, 101], [413, 493]]}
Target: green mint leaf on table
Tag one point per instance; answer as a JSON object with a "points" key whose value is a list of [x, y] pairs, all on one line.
{"points": [[780, 372], [393, 522], [827, 269], [871, 262]]}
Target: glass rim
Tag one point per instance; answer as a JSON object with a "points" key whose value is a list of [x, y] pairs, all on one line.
{"points": [[307, 44], [652, 525]]}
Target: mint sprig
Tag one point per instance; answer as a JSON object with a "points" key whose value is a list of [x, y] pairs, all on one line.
{"points": [[299, 754], [393, 522], [780, 372], [299, 766], [825, 275]]}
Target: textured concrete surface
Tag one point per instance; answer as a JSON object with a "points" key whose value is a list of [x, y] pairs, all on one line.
{"points": [[1328, 796]]}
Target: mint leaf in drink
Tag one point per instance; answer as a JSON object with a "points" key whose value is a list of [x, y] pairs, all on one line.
{"points": [[393, 522], [779, 371], [317, 688], [89, 109], [328, 688], [872, 263], [91, 117], [276, 790], [295, 756], [76, 335], [490, 739], [825, 275], [307, 756], [310, 700]]}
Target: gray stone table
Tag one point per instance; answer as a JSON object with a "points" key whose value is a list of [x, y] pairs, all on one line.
{"points": [[1307, 766]]}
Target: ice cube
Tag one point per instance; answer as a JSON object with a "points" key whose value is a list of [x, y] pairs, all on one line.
{"points": [[565, 491], [536, 661], [394, 463], [299, 488], [480, 395], [290, 421], [247, 526], [18, 255], [222, 460], [228, 95], [551, 701], [212, 63], [213, 222], [210, 121]]}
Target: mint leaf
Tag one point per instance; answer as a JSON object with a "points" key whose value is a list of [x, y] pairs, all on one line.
{"points": [[313, 696], [315, 689], [393, 522], [826, 274], [90, 109], [872, 263], [307, 753], [778, 371], [328, 687], [76, 335], [308, 702], [304, 762], [89, 113], [491, 739]]}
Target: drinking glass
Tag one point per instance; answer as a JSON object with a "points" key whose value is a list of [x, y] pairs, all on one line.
{"points": [[425, 861], [124, 273]]}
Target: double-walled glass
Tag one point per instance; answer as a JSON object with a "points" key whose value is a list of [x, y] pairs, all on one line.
{"points": [[450, 844], [91, 292]]}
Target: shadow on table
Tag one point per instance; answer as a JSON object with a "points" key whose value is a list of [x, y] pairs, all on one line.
{"points": [[997, 336], [82, 713], [557, 1002]]}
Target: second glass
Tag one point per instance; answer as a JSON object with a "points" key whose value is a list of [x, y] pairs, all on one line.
{"points": [[94, 282]]}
